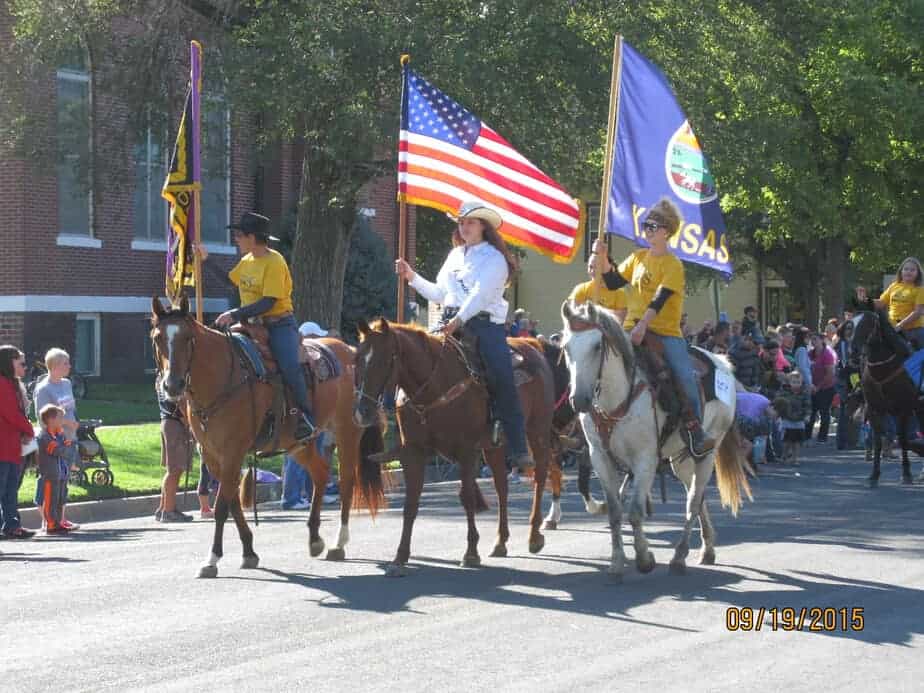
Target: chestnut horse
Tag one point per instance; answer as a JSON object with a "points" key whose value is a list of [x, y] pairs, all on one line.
{"points": [[443, 408], [227, 407]]}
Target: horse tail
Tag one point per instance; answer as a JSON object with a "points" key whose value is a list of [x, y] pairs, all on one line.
{"points": [[246, 489], [731, 471], [368, 491]]}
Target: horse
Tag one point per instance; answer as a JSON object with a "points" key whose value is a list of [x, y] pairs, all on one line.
{"points": [[227, 407], [566, 433], [887, 386], [443, 408], [624, 422]]}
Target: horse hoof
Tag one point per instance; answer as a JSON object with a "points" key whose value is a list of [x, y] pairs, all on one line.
{"points": [[677, 568], [707, 558], [500, 551], [613, 577], [316, 547], [535, 545], [646, 564], [336, 554], [250, 562], [471, 561], [550, 524], [396, 570], [907, 480], [208, 571], [873, 482]]}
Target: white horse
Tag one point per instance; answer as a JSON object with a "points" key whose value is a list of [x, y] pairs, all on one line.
{"points": [[623, 421]]}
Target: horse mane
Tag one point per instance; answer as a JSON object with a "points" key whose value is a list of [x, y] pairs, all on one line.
{"points": [[606, 320], [428, 342]]}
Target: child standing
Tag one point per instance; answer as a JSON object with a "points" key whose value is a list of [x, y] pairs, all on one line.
{"points": [[53, 458], [794, 406]]}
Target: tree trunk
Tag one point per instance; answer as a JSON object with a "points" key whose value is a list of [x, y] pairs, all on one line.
{"points": [[319, 252], [834, 273]]}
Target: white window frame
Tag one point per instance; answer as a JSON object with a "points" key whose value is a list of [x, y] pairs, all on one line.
{"points": [[97, 335], [149, 168], [68, 237]]}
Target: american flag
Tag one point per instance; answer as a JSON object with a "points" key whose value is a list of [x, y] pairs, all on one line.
{"points": [[447, 156]]}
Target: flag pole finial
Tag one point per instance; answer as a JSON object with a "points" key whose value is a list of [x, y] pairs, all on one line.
{"points": [[405, 59]]}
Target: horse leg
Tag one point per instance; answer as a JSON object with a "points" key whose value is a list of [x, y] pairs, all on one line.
{"points": [[903, 438], [210, 569], [590, 504], [413, 463], [644, 476], [618, 556], [707, 554], [695, 476], [495, 459], [878, 429], [471, 559], [308, 458], [540, 449], [348, 455], [555, 478], [249, 559]]}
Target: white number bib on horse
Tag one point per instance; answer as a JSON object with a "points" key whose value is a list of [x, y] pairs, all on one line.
{"points": [[725, 387]]}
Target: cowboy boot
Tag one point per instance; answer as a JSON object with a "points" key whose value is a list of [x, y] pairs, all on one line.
{"points": [[698, 443]]}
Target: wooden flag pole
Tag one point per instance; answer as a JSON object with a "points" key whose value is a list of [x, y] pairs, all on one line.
{"points": [[402, 222], [611, 125], [195, 53]]}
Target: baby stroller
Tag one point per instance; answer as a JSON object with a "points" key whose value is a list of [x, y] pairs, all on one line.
{"points": [[92, 462]]}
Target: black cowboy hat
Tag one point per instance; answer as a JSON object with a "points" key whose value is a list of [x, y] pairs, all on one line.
{"points": [[254, 224]]}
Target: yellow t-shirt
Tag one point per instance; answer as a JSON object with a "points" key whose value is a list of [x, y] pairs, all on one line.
{"points": [[903, 299], [614, 299], [259, 277], [646, 274]]}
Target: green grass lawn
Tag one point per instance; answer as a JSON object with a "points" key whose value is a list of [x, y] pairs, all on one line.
{"points": [[134, 456], [119, 404]]}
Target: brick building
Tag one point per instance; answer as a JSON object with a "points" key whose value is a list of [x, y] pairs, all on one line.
{"points": [[66, 281]]}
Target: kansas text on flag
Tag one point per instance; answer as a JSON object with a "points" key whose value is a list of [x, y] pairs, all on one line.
{"points": [[447, 156]]}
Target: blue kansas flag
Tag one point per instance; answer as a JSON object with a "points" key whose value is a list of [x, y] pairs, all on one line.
{"points": [[657, 155]]}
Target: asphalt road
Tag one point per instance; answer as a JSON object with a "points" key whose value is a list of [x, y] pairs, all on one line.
{"points": [[117, 606]]}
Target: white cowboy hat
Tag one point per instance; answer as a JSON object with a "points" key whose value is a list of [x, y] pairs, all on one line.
{"points": [[311, 329], [476, 209]]}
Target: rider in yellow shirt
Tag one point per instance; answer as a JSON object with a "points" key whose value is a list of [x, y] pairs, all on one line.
{"points": [[612, 299], [904, 299], [265, 285], [657, 277]]}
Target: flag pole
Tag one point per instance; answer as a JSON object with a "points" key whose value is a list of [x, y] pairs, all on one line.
{"points": [[195, 60], [402, 208], [611, 126]]}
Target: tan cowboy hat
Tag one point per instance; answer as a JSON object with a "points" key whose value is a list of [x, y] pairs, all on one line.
{"points": [[476, 209]]}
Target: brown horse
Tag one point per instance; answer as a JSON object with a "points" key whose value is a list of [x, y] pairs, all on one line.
{"points": [[444, 409], [227, 408]]}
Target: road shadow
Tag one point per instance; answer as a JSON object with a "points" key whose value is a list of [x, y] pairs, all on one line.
{"points": [[37, 558]]}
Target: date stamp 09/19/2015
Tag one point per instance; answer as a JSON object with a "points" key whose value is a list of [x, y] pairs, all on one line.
{"points": [[813, 619]]}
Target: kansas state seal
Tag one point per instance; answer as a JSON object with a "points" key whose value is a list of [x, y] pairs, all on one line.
{"points": [[687, 169]]}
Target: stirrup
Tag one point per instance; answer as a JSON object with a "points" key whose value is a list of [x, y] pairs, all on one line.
{"points": [[691, 445], [495, 432]]}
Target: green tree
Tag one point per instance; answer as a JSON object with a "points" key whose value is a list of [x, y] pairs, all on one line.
{"points": [[370, 286]]}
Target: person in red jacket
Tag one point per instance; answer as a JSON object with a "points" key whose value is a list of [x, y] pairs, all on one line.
{"points": [[14, 430]]}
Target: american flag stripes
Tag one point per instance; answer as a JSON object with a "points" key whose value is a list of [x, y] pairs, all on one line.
{"points": [[447, 156]]}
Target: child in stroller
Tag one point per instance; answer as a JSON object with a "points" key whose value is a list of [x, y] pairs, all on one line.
{"points": [[92, 463]]}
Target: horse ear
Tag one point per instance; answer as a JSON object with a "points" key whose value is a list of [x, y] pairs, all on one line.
{"points": [[157, 308], [184, 304], [362, 327], [591, 311], [383, 323], [566, 311]]}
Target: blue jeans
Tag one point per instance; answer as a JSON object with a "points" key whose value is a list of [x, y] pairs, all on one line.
{"points": [[283, 339], [296, 483], [678, 358], [492, 345], [10, 478]]}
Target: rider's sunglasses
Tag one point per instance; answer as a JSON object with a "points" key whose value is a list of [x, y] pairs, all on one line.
{"points": [[651, 226]]}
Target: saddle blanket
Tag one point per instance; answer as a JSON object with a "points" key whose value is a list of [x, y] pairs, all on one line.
{"points": [[319, 361], [914, 365]]}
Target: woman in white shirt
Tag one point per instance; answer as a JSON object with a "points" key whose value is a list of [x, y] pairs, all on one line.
{"points": [[470, 286]]}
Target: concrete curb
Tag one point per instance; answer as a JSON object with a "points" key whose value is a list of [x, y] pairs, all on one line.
{"points": [[139, 506]]}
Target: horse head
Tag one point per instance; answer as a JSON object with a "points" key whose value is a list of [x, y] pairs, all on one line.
{"points": [[590, 334], [376, 369], [874, 337], [173, 337]]}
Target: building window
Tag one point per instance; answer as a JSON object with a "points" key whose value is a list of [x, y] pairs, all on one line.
{"points": [[150, 209], [216, 167], [87, 347], [73, 152]]}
